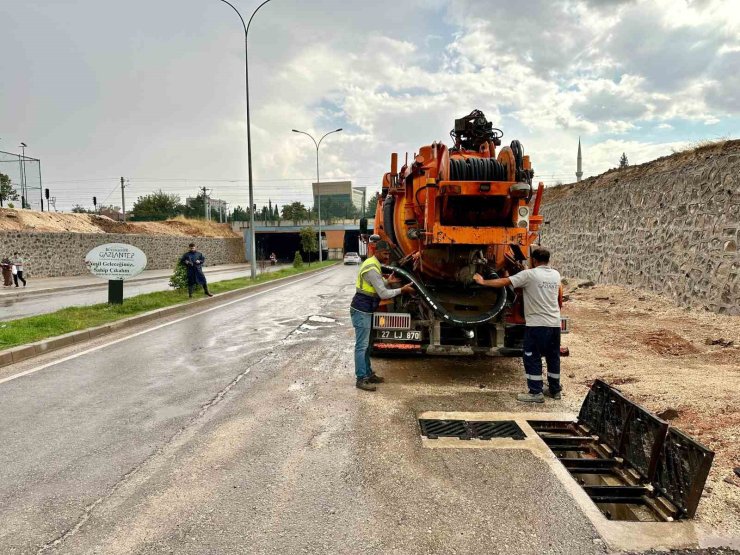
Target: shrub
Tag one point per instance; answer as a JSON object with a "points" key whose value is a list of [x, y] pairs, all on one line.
{"points": [[179, 278], [297, 260]]}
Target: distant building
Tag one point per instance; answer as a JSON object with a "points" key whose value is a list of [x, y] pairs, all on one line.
{"points": [[339, 199], [579, 169], [215, 210], [113, 214]]}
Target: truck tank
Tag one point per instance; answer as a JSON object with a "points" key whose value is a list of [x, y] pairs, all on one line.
{"points": [[449, 213]]}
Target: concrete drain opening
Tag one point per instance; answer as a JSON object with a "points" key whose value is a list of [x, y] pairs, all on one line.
{"points": [[471, 429], [632, 464]]}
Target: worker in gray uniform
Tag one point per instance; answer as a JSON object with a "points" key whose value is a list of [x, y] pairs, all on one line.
{"points": [[542, 302]]}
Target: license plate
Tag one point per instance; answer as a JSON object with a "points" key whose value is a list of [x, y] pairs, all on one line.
{"points": [[398, 335]]}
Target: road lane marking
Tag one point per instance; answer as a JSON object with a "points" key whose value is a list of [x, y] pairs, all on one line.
{"points": [[160, 326]]}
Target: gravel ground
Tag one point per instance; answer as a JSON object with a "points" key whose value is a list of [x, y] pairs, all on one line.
{"points": [[680, 363]]}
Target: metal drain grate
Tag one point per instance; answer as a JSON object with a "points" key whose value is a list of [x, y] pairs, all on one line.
{"points": [[474, 429], [434, 429], [501, 428]]}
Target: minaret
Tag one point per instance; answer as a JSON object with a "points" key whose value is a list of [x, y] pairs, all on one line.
{"points": [[579, 172]]}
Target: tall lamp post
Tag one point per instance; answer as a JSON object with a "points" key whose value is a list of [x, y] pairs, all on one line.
{"points": [[318, 180], [253, 235], [23, 176]]}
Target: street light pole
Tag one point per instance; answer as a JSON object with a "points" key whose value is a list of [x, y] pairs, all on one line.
{"points": [[23, 176], [253, 247], [318, 180]]}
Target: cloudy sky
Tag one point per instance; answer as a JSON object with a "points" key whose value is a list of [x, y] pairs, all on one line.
{"points": [[154, 90]]}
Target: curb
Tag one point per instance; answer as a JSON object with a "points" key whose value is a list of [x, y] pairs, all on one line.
{"points": [[31, 350], [103, 284]]}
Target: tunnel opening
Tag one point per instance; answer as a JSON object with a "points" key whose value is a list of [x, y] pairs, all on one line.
{"points": [[284, 245]]}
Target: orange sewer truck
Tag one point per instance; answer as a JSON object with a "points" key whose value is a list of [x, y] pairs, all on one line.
{"points": [[449, 213]]}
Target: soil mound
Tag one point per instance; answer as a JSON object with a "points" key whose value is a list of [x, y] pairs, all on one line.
{"points": [[56, 222]]}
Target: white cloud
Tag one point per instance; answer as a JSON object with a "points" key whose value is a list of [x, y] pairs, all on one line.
{"points": [[155, 97]]}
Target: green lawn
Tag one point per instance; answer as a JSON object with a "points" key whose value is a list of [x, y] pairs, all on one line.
{"points": [[35, 328]]}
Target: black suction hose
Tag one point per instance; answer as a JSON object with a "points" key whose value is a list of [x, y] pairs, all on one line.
{"points": [[441, 311], [388, 226]]}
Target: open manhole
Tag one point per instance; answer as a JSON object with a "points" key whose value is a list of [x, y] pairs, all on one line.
{"points": [[632, 464], [470, 429]]}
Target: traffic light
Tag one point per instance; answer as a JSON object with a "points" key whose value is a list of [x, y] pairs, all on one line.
{"points": [[95, 201], [46, 194]]}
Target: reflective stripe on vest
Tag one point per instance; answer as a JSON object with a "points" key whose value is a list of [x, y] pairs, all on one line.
{"points": [[362, 284]]}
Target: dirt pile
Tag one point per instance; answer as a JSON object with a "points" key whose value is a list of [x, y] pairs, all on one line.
{"points": [[682, 364], [56, 222]]}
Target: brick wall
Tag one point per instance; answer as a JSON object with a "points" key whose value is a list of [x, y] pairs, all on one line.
{"points": [[671, 226], [63, 254]]}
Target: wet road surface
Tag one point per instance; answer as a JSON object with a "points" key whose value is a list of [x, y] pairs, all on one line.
{"points": [[12, 307], [239, 430]]}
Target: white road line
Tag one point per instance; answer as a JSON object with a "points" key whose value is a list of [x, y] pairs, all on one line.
{"points": [[160, 326]]}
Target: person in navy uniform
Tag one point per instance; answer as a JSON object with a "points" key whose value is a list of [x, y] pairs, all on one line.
{"points": [[193, 261]]}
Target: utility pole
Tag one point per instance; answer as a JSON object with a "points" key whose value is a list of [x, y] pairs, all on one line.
{"points": [[205, 203], [24, 194], [123, 199]]}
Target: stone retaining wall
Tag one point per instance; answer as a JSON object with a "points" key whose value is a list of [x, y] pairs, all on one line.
{"points": [[63, 254], [671, 226]]}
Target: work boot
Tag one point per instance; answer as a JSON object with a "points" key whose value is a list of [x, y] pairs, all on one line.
{"points": [[365, 385], [556, 396], [374, 378], [530, 398]]}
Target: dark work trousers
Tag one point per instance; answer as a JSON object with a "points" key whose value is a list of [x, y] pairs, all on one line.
{"points": [[19, 276], [191, 288], [542, 342]]}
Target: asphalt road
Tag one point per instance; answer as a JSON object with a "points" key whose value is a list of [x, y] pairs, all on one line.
{"points": [[41, 303], [239, 430]]}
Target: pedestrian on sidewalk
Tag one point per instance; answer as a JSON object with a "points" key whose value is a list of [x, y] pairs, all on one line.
{"points": [[370, 288], [7, 268], [542, 302], [18, 275], [194, 261]]}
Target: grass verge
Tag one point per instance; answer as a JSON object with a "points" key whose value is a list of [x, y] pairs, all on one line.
{"points": [[35, 328]]}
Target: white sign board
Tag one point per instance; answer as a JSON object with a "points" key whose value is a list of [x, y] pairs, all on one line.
{"points": [[116, 261]]}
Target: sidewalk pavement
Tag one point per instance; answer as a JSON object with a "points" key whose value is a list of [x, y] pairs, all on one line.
{"points": [[43, 286]]}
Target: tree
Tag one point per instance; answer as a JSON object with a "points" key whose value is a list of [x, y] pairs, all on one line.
{"points": [[240, 214], [196, 207], [295, 211], [623, 163], [372, 205], [78, 209], [309, 241], [157, 206], [7, 192]]}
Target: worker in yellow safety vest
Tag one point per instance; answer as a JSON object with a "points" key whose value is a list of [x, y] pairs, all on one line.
{"points": [[370, 288]]}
